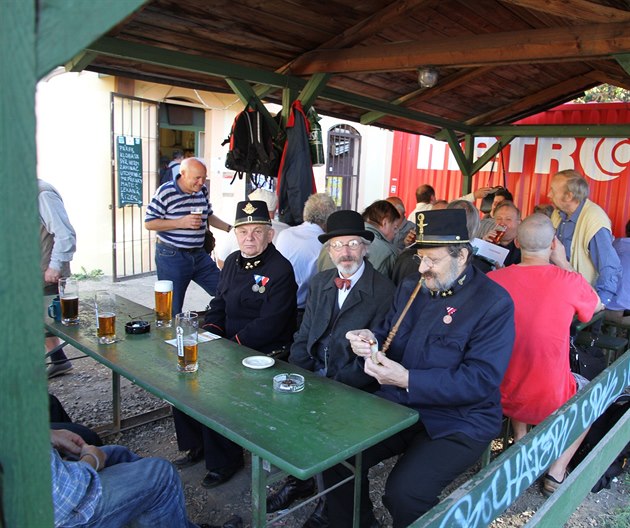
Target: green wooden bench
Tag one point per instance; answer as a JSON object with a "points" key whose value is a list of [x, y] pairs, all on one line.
{"points": [[490, 492]]}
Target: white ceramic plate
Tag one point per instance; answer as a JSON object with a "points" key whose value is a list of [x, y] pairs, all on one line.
{"points": [[258, 362]]}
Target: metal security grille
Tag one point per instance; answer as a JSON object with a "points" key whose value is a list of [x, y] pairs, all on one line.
{"points": [[132, 243], [342, 173]]}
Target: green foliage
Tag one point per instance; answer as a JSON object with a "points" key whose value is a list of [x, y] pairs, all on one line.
{"points": [[604, 93], [85, 274]]}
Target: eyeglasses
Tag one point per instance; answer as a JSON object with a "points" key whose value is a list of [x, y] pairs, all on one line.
{"points": [[428, 262], [352, 244]]}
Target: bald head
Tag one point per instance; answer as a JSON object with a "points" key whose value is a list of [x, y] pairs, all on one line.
{"points": [[535, 233]]}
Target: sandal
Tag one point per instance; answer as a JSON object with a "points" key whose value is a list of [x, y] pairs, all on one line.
{"points": [[550, 484]]}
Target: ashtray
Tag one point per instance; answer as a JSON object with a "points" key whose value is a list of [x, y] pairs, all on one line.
{"points": [[288, 383], [137, 327]]}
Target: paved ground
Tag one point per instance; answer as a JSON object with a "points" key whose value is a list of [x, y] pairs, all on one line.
{"points": [[141, 291]]}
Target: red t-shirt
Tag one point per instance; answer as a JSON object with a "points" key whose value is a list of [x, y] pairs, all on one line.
{"points": [[538, 379]]}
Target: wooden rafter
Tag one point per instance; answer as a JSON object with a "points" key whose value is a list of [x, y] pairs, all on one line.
{"points": [[536, 45], [366, 28], [582, 10], [603, 77], [539, 98], [422, 94]]}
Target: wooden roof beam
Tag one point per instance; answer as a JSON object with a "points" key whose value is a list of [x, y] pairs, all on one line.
{"points": [[366, 28], [603, 77], [536, 45], [539, 98], [582, 10], [219, 68], [422, 94]]}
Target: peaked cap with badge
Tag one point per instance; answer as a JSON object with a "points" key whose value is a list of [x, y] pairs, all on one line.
{"points": [[345, 223], [441, 228], [252, 212]]}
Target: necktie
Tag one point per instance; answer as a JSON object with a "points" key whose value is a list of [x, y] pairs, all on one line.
{"points": [[343, 284]]}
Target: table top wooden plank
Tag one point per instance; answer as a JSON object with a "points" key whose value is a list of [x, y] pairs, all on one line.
{"points": [[301, 433]]}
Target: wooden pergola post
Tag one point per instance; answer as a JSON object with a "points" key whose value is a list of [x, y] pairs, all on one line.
{"points": [[35, 37]]}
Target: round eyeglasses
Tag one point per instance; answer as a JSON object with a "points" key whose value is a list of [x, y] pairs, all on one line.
{"points": [[336, 245], [428, 262]]}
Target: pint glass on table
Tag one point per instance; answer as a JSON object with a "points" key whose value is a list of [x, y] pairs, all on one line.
{"points": [[69, 298], [186, 327], [163, 303], [105, 312]]}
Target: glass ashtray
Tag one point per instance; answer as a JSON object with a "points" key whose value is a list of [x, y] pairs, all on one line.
{"points": [[288, 383]]}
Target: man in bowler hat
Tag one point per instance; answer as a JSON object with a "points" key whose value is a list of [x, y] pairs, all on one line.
{"points": [[351, 295], [447, 361], [255, 306]]}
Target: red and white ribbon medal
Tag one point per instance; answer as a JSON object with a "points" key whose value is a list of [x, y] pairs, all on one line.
{"points": [[448, 318]]}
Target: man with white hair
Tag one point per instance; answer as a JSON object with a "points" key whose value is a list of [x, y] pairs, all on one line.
{"points": [[300, 246], [230, 244], [584, 229], [352, 294], [179, 212]]}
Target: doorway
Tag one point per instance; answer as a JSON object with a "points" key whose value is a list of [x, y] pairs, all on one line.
{"points": [[342, 167]]}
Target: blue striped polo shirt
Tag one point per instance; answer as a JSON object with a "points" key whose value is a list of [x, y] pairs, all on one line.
{"points": [[170, 203]]}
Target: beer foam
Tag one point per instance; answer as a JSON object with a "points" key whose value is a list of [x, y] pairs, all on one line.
{"points": [[164, 286]]}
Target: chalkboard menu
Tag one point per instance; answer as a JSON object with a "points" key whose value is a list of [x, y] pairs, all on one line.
{"points": [[129, 151]]}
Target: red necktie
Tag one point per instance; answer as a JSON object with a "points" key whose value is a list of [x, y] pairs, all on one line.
{"points": [[343, 284]]}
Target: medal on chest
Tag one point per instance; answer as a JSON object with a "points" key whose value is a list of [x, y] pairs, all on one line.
{"points": [[448, 318], [260, 283]]}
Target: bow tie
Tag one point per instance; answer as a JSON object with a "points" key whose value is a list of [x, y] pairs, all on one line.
{"points": [[343, 284]]}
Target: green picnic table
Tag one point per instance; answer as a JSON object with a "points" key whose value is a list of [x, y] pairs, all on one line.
{"points": [[300, 433]]}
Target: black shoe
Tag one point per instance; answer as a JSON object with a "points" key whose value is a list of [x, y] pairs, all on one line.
{"points": [[292, 490], [191, 457], [319, 517], [219, 476]]}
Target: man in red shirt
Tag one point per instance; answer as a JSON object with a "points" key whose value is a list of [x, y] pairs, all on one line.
{"points": [[546, 297]]}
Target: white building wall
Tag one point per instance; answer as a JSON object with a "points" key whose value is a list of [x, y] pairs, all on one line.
{"points": [[74, 154]]}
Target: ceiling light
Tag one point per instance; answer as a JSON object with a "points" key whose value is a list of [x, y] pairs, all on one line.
{"points": [[427, 77]]}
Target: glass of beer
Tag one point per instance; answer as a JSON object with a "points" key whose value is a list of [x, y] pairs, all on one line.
{"points": [[105, 312], [69, 297], [186, 327], [163, 303]]}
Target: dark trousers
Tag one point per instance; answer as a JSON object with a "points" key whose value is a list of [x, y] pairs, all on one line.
{"points": [[219, 452], [424, 468]]}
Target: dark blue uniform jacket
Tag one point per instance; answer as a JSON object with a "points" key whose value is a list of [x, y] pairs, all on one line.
{"points": [[456, 347]]}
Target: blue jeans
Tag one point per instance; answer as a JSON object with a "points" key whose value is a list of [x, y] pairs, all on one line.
{"points": [[181, 267], [139, 492]]}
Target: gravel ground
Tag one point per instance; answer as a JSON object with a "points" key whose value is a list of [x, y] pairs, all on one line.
{"points": [[86, 395]]}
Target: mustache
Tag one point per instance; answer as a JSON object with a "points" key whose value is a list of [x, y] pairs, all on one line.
{"points": [[348, 258]]}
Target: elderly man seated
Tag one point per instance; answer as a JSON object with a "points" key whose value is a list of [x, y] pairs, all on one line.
{"points": [[255, 306], [546, 297], [447, 361]]}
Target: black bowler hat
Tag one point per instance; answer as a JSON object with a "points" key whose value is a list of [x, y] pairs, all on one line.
{"points": [[441, 228], [345, 223], [252, 212]]}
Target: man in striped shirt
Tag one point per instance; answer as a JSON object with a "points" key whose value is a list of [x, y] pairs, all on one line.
{"points": [[179, 212]]}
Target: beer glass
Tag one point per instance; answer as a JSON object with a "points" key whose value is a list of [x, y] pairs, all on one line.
{"points": [[500, 230], [105, 312], [69, 297], [163, 303], [186, 326]]}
